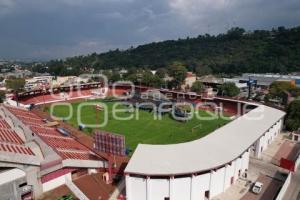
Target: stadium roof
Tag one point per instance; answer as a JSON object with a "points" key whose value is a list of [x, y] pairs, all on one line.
{"points": [[216, 149]]}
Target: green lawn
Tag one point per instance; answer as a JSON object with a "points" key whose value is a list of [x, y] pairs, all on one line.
{"points": [[146, 129]]}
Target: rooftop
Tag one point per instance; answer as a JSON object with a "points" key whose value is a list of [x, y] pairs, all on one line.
{"points": [[11, 175], [240, 134]]}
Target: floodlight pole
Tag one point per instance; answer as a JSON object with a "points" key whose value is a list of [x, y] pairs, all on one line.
{"points": [[109, 161], [44, 90], [110, 172]]}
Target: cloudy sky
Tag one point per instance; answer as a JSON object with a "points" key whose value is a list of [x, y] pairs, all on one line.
{"points": [[45, 29]]}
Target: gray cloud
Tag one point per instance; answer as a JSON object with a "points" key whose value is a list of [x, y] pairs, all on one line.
{"points": [[55, 29]]}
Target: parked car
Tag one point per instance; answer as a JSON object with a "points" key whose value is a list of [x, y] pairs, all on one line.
{"points": [[257, 187]]}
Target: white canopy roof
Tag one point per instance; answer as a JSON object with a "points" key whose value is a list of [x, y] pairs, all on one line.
{"points": [[216, 149], [11, 175]]}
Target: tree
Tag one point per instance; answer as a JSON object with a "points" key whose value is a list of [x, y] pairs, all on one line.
{"points": [[197, 87], [295, 92], [161, 72], [235, 33], [293, 116], [146, 77], [178, 72], [115, 77], [112, 75], [16, 84], [40, 68], [277, 87], [229, 89], [156, 81], [203, 70], [235, 52]]}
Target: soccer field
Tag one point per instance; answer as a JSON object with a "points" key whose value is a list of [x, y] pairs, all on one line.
{"points": [[144, 128]]}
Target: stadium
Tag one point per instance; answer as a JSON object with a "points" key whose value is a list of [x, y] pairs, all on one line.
{"points": [[203, 168], [198, 169]]}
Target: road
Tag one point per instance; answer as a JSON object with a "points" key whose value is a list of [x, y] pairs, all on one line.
{"points": [[269, 190], [259, 166], [262, 167]]}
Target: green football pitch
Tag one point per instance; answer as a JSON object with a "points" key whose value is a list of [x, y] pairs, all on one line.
{"points": [[142, 127]]}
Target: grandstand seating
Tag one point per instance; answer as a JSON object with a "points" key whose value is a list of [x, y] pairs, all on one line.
{"points": [[38, 129], [3, 123], [77, 155], [63, 96], [10, 142], [67, 147], [30, 120], [117, 92], [9, 136], [64, 143], [24, 113], [15, 149], [56, 97]]}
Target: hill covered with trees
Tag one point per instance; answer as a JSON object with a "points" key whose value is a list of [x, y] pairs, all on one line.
{"points": [[237, 51]]}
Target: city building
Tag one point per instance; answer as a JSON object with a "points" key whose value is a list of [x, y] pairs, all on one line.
{"points": [[38, 82], [265, 80], [214, 82]]}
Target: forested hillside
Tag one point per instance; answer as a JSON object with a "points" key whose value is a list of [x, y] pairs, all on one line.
{"points": [[237, 51]]}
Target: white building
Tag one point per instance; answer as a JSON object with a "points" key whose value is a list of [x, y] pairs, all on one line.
{"points": [[267, 79], [236, 82], [37, 82], [190, 79], [203, 168]]}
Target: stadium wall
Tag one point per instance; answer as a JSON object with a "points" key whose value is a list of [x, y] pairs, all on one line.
{"points": [[204, 185], [263, 142], [54, 183], [193, 186]]}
